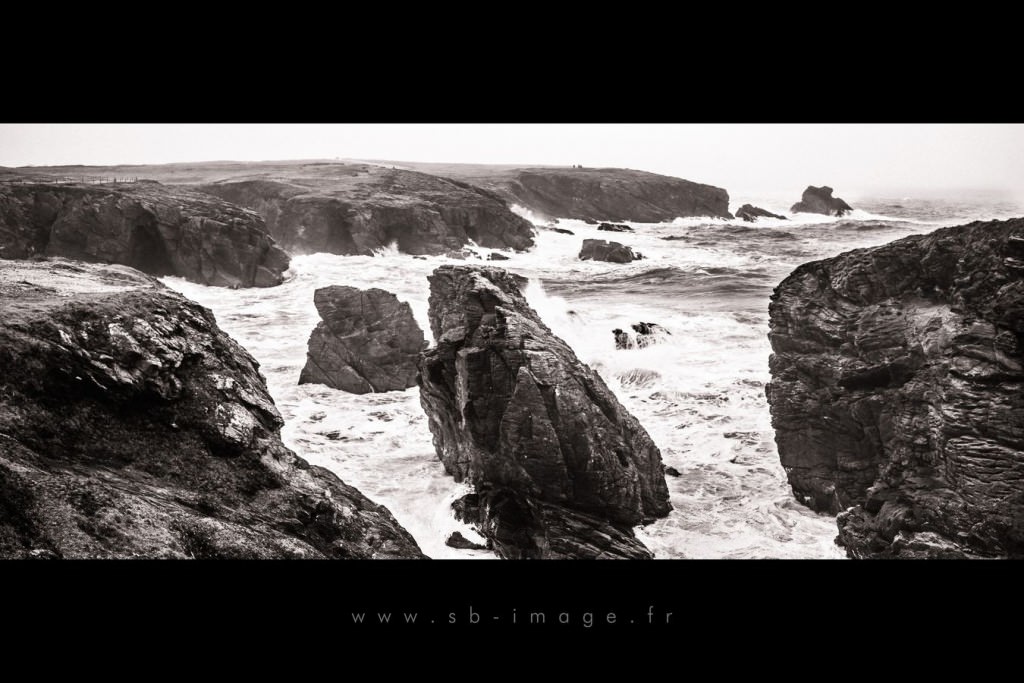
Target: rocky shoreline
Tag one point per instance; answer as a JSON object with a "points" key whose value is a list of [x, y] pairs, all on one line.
{"points": [[132, 426]]}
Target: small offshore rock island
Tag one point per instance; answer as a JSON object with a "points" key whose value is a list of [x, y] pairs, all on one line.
{"points": [[474, 410]]}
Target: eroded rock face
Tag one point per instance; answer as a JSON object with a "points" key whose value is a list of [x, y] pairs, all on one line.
{"points": [[820, 200], [158, 229], [603, 250], [897, 392], [367, 341], [751, 213], [561, 468], [131, 426], [371, 207]]}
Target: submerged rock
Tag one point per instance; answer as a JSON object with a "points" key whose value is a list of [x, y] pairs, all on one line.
{"points": [[614, 227], [751, 213], [649, 333], [560, 467], [820, 200], [367, 341], [158, 229], [646, 334], [897, 391], [132, 426], [603, 250]]}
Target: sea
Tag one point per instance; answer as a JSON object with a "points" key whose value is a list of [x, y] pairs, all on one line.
{"points": [[699, 391]]}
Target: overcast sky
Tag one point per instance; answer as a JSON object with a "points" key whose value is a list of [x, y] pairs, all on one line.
{"points": [[743, 158]]}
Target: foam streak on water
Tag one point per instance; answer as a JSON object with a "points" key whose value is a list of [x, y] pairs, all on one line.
{"points": [[699, 393]]}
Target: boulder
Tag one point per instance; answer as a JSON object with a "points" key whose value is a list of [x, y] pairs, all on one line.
{"points": [[160, 230], [897, 391], [367, 341], [561, 469], [132, 426], [751, 213], [820, 200], [495, 256], [603, 250]]}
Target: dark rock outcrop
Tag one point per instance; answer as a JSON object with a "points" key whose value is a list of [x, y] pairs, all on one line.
{"points": [[563, 231], [367, 341], [751, 213], [561, 469], [897, 391], [495, 256], [603, 250], [158, 229], [820, 200], [614, 227], [370, 207], [131, 426]]}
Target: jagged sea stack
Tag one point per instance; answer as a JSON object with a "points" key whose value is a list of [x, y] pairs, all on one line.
{"points": [[561, 469], [132, 426], [367, 341], [897, 392]]}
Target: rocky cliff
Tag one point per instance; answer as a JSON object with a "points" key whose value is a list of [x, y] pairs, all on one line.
{"points": [[897, 392], [357, 209], [561, 468], [367, 341], [131, 426], [158, 229], [604, 194]]}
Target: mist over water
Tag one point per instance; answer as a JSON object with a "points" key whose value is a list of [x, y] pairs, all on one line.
{"points": [[699, 392]]}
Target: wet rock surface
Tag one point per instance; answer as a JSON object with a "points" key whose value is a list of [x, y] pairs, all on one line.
{"points": [[132, 426], [561, 469], [367, 341], [603, 250], [897, 392]]}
